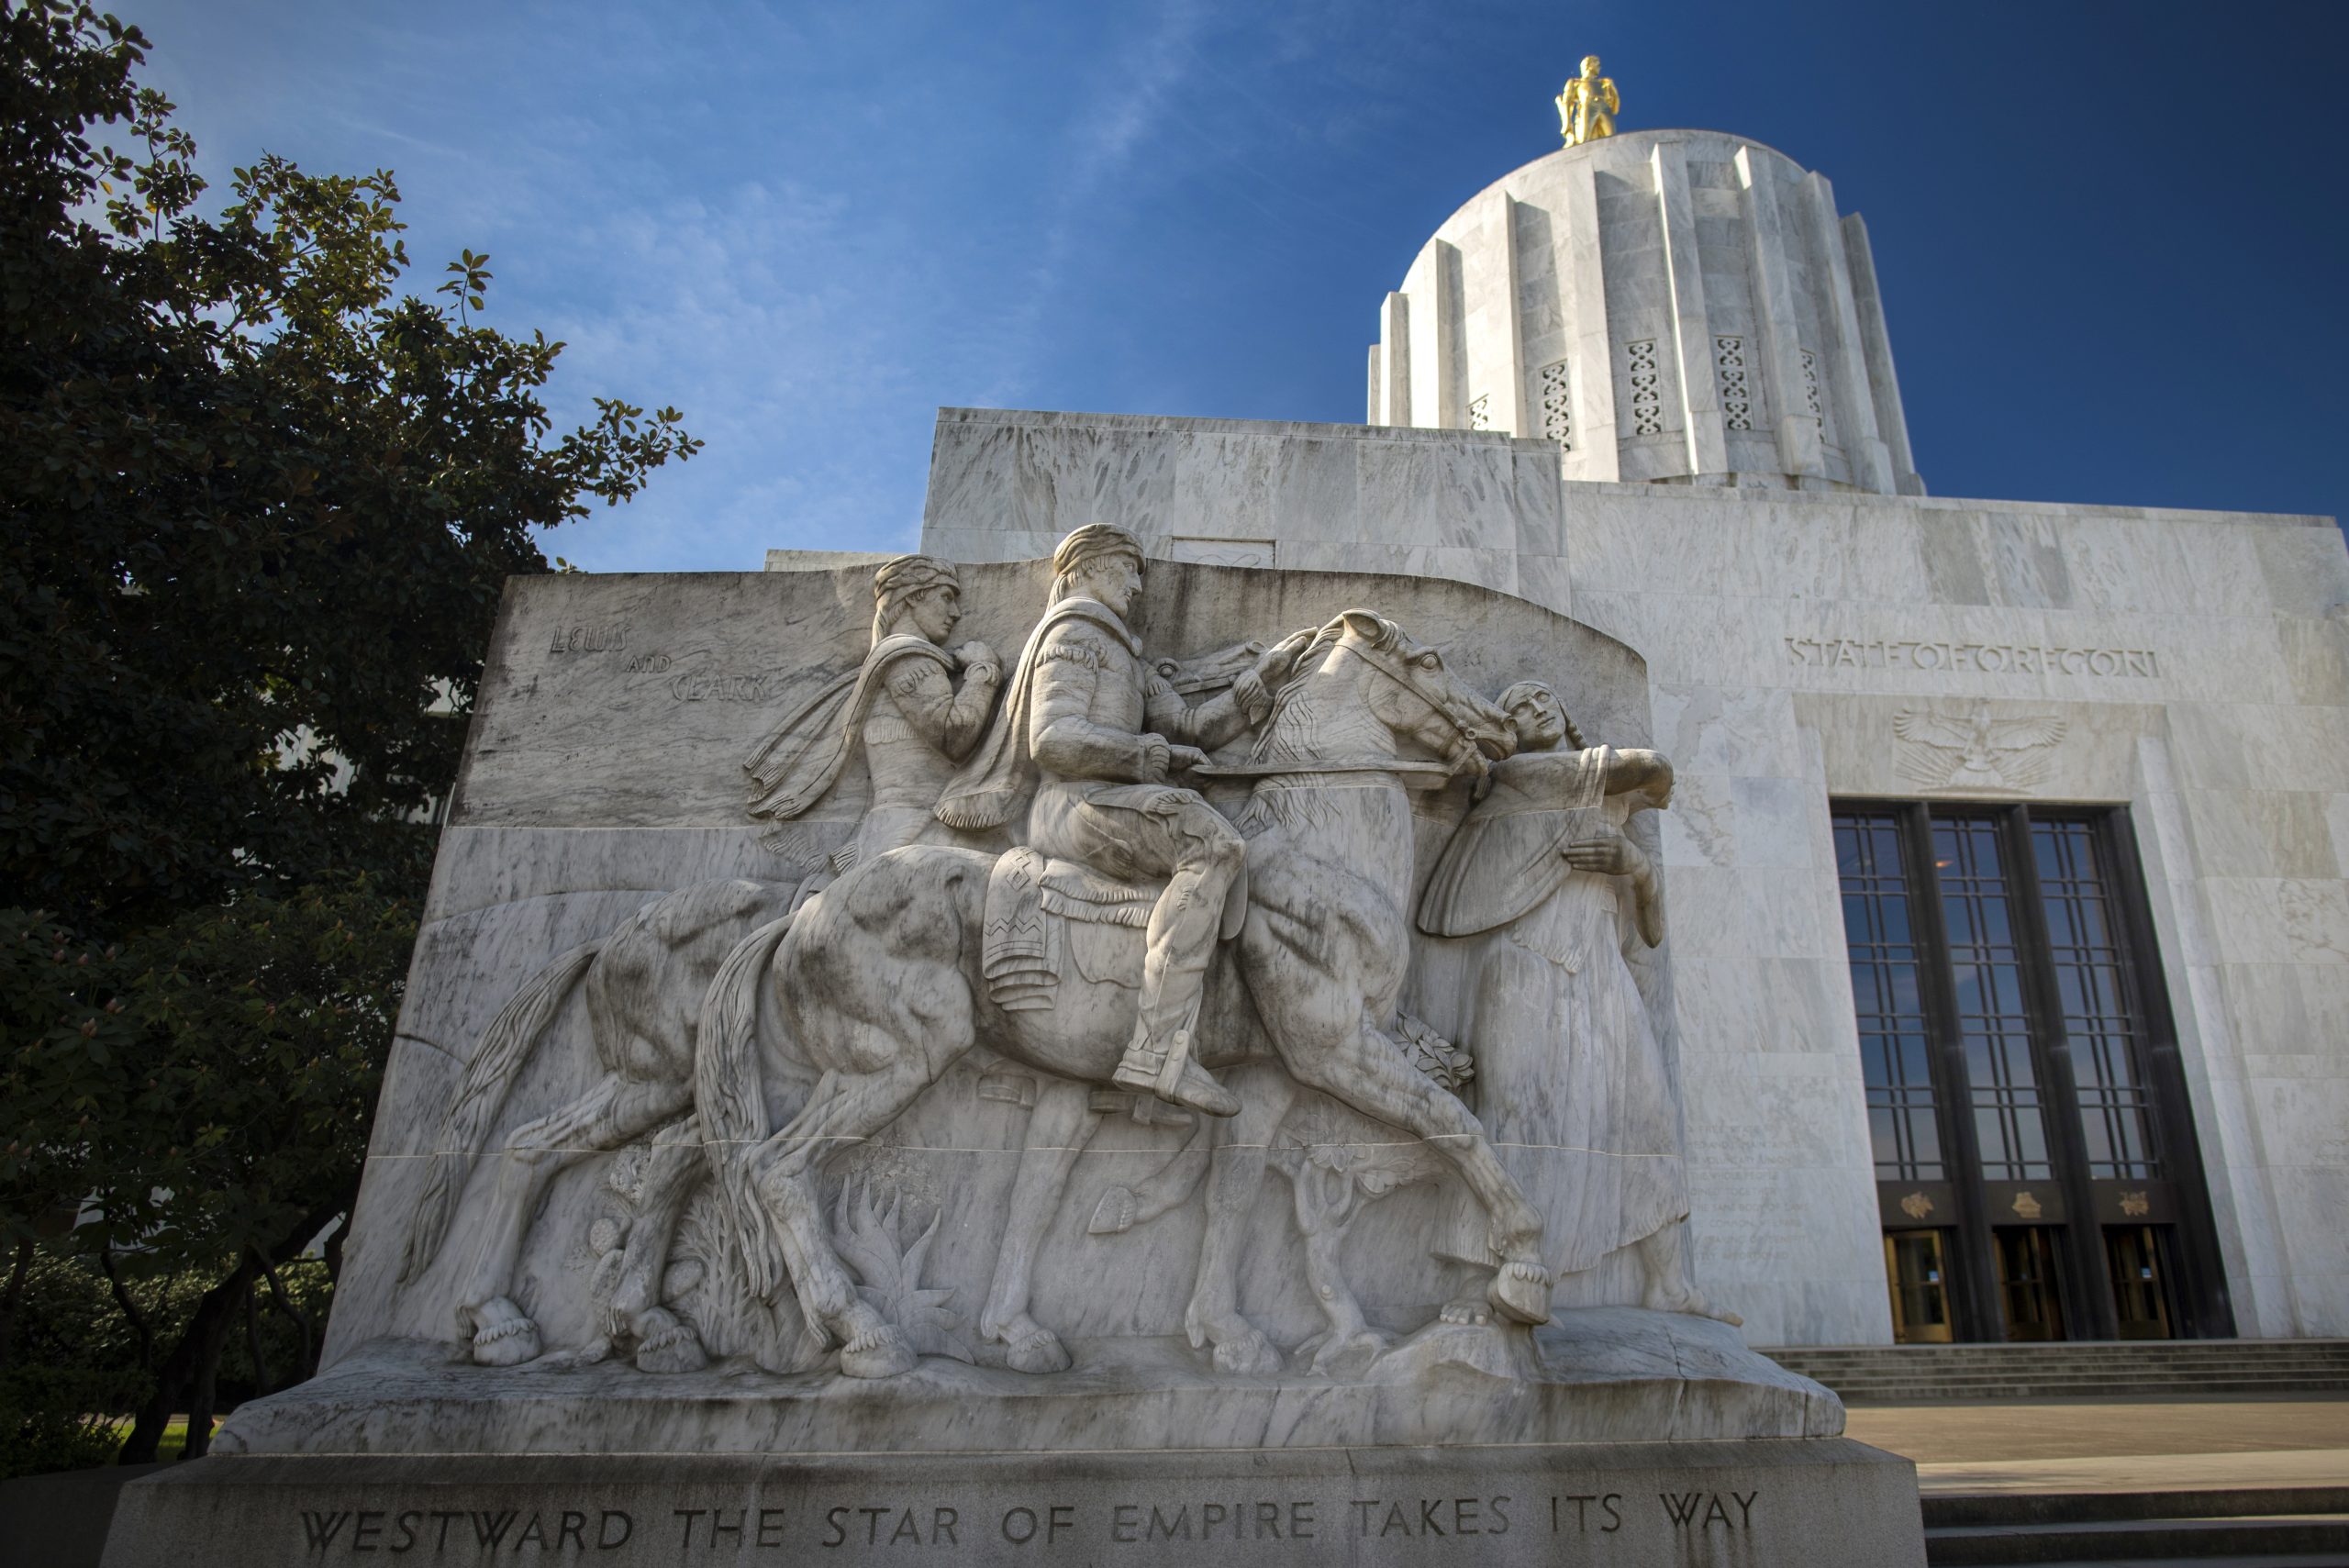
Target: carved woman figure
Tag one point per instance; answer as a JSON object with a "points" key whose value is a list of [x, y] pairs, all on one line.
{"points": [[904, 706], [1572, 1082]]}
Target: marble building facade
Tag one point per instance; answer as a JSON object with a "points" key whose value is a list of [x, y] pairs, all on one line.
{"points": [[2195, 662], [1830, 650]]}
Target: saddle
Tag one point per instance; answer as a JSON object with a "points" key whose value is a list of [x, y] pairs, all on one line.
{"points": [[1032, 901]]}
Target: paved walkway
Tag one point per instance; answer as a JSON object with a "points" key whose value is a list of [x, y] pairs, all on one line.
{"points": [[2122, 1446]]}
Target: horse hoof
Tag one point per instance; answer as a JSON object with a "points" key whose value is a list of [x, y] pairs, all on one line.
{"points": [[1038, 1352], [1113, 1215], [1251, 1355], [1353, 1354], [505, 1337], [883, 1352], [1692, 1303], [667, 1345], [1521, 1293]]}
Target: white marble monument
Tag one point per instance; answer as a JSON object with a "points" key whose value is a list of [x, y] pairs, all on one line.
{"points": [[861, 1091], [1286, 987]]}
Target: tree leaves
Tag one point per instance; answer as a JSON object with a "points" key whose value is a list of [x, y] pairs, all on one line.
{"points": [[194, 1092], [260, 502]]}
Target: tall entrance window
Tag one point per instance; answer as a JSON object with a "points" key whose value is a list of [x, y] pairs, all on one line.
{"points": [[2035, 1157], [2009, 1126], [2102, 1023], [1887, 990]]}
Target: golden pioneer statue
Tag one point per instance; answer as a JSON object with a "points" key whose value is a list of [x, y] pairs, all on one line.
{"points": [[1588, 105]]}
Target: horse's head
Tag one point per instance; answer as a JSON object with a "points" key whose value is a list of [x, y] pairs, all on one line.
{"points": [[1412, 693]]}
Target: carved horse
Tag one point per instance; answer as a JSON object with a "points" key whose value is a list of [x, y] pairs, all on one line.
{"points": [[878, 986], [1336, 1163], [644, 987]]}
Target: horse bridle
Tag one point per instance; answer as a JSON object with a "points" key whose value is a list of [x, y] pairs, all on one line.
{"points": [[1466, 756]]}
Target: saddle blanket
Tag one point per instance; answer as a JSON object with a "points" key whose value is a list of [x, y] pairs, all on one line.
{"points": [[1030, 901]]}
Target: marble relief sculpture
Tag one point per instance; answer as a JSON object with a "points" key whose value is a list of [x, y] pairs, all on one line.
{"points": [[1555, 900], [645, 981], [904, 706], [1181, 893], [1085, 743]]}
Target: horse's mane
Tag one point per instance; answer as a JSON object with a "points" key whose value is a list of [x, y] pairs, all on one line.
{"points": [[1309, 664]]}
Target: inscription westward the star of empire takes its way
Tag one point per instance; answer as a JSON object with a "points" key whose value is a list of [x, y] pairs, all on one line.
{"points": [[444, 1532]]}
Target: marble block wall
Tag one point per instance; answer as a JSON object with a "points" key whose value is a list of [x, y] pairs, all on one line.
{"points": [[2198, 662]]}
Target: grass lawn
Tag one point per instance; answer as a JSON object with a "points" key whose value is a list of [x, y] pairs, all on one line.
{"points": [[174, 1440]]}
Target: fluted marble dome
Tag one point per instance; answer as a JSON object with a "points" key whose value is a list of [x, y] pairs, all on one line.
{"points": [[1674, 305]]}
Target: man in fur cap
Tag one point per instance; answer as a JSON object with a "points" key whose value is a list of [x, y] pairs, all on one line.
{"points": [[1090, 730]]}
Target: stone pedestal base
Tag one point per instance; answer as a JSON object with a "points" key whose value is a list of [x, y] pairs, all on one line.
{"points": [[1610, 1436], [1815, 1502]]}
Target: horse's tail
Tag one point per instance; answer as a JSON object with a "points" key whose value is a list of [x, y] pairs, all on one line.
{"points": [[732, 1101], [504, 1047]]}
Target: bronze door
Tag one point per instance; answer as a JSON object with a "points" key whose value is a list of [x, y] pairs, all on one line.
{"points": [[2027, 1291], [1913, 1272], [2139, 1290]]}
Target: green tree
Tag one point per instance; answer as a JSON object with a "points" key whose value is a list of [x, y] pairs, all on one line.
{"points": [[260, 505], [207, 1091]]}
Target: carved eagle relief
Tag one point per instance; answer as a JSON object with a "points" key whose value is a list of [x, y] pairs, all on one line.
{"points": [[1977, 749]]}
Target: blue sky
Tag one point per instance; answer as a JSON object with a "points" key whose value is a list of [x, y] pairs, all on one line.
{"points": [[2110, 234]]}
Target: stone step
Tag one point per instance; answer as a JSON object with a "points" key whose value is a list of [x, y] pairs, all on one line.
{"points": [[2034, 1375], [2229, 1560], [2077, 1348], [2019, 1509], [2117, 1375], [1977, 1365], [2063, 1346], [2075, 1369], [1997, 1368], [2237, 1524], [1929, 1394], [2254, 1560], [2054, 1364], [2101, 1363], [2084, 1358], [2070, 1353], [2310, 1538], [2187, 1379]]}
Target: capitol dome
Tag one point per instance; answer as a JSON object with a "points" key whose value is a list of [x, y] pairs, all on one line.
{"points": [[1682, 306]]}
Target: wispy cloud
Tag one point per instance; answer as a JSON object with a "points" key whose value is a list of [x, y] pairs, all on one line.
{"points": [[1131, 101], [809, 225]]}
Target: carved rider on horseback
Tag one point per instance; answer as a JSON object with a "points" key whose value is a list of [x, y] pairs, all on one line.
{"points": [[1092, 730]]}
